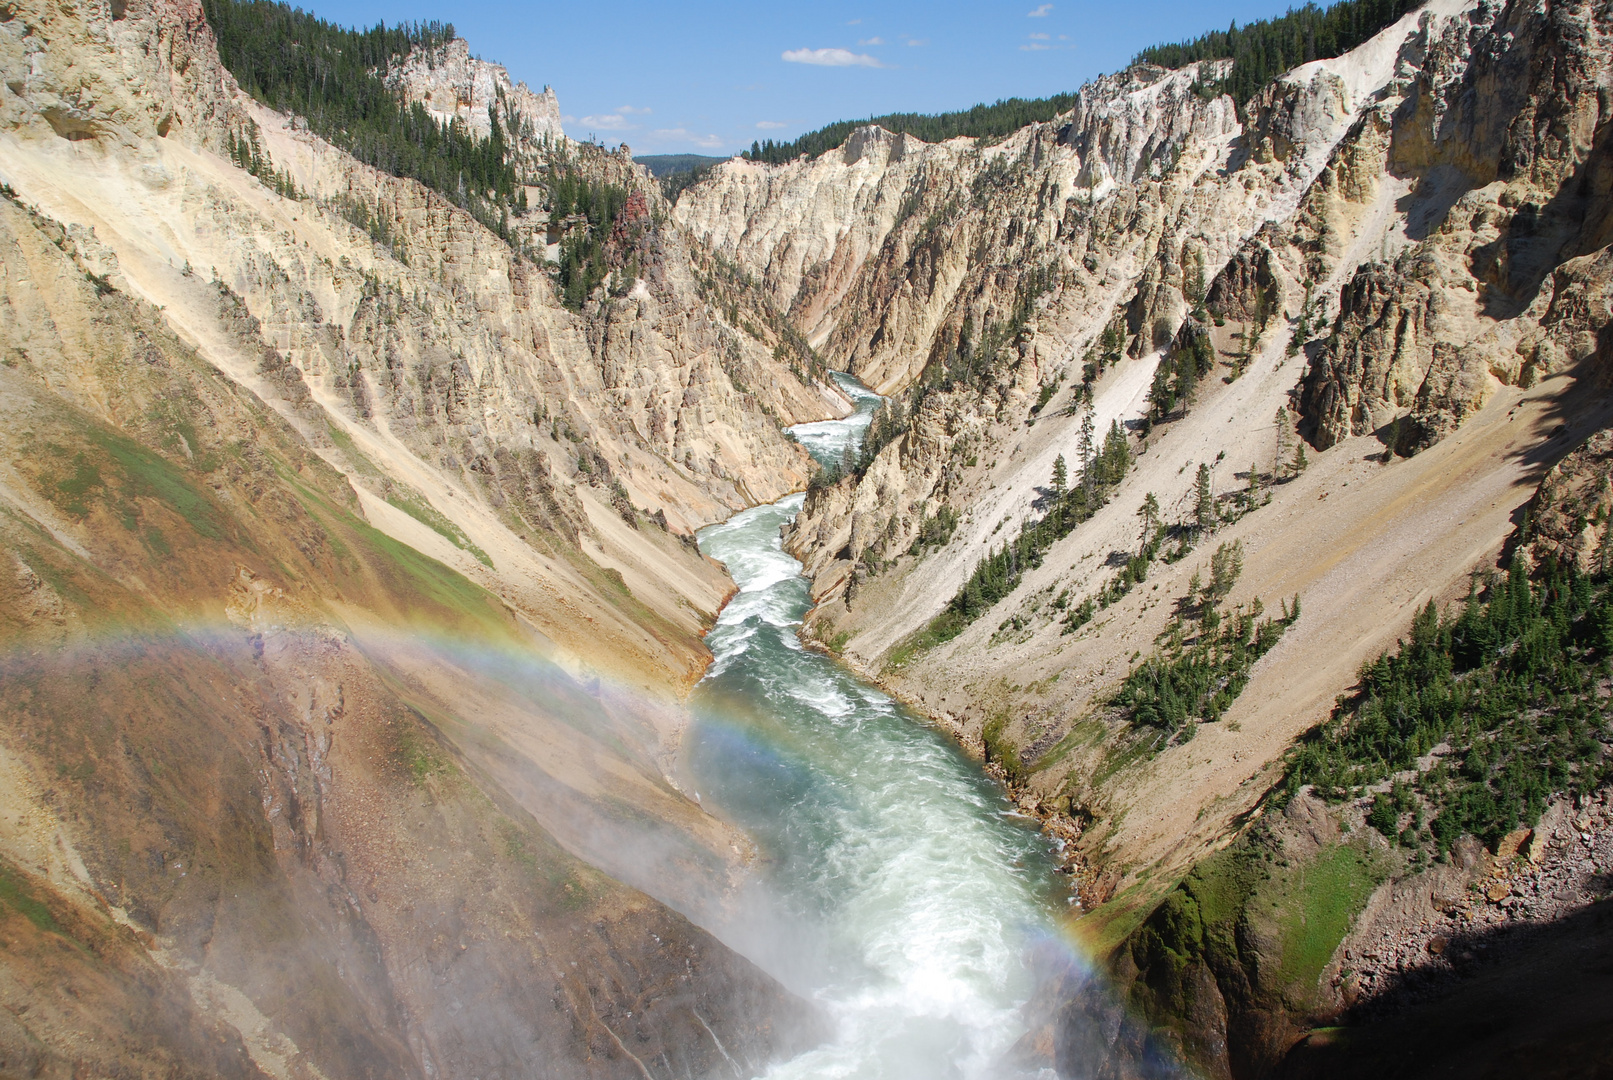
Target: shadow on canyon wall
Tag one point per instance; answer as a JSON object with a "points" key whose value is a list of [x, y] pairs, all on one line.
{"points": [[1532, 1001]]}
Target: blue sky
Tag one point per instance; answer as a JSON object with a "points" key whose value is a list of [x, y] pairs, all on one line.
{"points": [[711, 77]]}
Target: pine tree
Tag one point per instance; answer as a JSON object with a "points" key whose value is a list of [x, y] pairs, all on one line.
{"points": [[1084, 448], [1280, 463], [1302, 332], [1194, 283], [1116, 454], [1225, 567], [1204, 505], [1060, 477], [1149, 512]]}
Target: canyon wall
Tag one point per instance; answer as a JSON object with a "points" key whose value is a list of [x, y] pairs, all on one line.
{"points": [[1397, 256], [352, 594], [350, 591]]}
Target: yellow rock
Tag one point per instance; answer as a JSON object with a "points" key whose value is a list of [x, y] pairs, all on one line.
{"points": [[1507, 847]]}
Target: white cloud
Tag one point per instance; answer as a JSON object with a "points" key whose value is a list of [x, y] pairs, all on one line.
{"points": [[854, 22], [770, 125], [608, 122], [872, 41], [1033, 37], [628, 110], [678, 134], [918, 42], [1040, 12], [1035, 46], [830, 58]]}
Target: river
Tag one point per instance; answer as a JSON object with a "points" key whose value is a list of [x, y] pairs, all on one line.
{"points": [[895, 886]]}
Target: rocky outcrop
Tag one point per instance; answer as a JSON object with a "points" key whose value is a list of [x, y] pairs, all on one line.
{"points": [[1037, 238], [454, 86], [1513, 221], [1568, 516], [1376, 359], [127, 73], [1228, 976]]}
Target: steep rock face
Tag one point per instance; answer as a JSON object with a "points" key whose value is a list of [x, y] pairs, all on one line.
{"points": [[453, 86], [877, 247], [523, 442], [128, 72], [1196, 222], [1127, 127], [1504, 134], [804, 230], [1377, 359]]}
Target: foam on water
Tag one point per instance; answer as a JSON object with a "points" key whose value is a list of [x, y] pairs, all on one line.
{"points": [[894, 891], [827, 440]]}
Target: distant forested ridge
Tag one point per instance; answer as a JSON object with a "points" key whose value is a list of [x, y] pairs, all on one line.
{"points": [[1261, 51], [981, 122], [665, 164], [335, 78], [1266, 48], [677, 172]]}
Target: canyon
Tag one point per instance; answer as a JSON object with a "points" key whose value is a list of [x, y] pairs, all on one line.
{"points": [[357, 691]]}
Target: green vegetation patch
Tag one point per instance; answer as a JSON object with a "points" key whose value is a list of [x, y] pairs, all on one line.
{"points": [[145, 474], [999, 748], [72, 493], [1266, 48], [357, 459], [16, 894], [990, 122], [1263, 921], [1315, 906], [336, 79], [418, 752], [410, 576], [422, 511], [122, 472], [1511, 688]]}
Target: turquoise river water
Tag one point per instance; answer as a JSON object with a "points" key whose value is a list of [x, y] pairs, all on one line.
{"points": [[895, 886]]}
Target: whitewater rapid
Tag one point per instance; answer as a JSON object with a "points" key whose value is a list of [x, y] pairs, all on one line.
{"points": [[896, 888]]}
